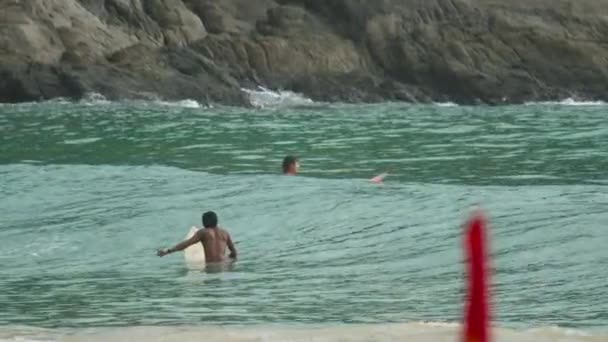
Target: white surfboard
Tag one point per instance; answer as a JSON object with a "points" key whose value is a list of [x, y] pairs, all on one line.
{"points": [[195, 254]]}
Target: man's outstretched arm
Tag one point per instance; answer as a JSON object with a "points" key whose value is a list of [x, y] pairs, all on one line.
{"points": [[180, 246]]}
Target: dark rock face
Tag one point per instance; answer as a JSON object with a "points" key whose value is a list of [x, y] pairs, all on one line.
{"points": [[466, 51]]}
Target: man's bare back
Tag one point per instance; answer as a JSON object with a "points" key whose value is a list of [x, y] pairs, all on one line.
{"points": [[215, 240]]}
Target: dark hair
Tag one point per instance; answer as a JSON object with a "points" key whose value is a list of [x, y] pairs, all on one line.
{"points": [[287, 162], [209, 219]]}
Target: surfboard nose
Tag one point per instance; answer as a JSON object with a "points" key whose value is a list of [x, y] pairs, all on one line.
{"points": [[194, 255]]}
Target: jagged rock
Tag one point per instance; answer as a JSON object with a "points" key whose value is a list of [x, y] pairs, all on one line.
{"points": [[215, 18], [464, 51], [180, 25]]}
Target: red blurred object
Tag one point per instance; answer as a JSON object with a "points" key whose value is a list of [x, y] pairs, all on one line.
{"points": [[477, 314]]}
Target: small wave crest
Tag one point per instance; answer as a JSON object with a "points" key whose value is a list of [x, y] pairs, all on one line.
{"points": [[94, 99], [568, 102], [445, 104], [183, 103], [264, 98], [98, 99]]}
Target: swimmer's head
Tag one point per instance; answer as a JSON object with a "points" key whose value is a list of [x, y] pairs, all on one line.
{"points": [[291, 165], [209, 219]]}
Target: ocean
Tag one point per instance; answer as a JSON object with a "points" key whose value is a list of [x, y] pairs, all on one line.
{"points": [[89, 190]]}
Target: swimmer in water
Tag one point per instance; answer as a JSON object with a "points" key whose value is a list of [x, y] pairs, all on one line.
{"points": [[291, 165], [215, 240]]}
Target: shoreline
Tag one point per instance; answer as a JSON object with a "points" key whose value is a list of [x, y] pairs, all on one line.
{"points": [[421, 331], [268, 99]]}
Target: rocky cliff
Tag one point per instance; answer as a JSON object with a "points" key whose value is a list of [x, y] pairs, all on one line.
{"points": [[466, 51]]}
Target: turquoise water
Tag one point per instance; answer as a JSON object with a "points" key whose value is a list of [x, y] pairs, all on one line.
{"points": [[89, 191]]}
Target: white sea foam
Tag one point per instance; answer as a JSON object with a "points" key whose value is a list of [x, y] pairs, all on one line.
{"points": [[94, 99], [183, 103], [568, 102], [264, 98], [445, 104], [81, 141]]}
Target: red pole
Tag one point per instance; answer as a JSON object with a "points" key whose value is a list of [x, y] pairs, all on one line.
{"points": [[477, 314]]}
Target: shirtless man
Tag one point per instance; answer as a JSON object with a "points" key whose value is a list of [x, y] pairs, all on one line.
{"points": [[214, 240]]}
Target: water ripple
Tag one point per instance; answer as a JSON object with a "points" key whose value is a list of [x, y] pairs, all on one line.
{"points": [[89, 193]]}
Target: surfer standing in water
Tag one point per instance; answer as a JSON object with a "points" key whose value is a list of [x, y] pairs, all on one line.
{"points": [[214, 240], [291, 165]]}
